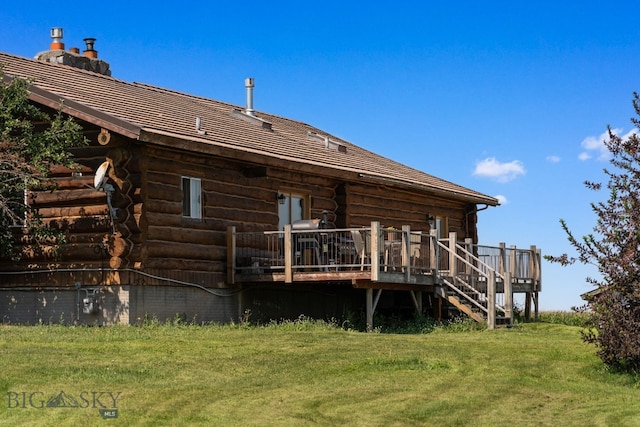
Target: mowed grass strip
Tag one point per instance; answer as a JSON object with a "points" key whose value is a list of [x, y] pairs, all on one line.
{"points": [[533, 374]]}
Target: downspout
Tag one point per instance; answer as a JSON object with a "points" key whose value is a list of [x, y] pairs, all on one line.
{"points": [[466, 217]]}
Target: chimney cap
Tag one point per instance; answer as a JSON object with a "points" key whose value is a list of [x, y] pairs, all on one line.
{"points": [[90, 51], [57, 33]]}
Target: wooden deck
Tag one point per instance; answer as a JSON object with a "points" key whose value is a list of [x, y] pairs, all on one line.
{"points": [[481, 278]]}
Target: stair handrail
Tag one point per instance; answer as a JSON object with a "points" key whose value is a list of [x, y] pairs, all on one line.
{"points": [[478, 260], [492, 273], [485, 265], [473, 267]]}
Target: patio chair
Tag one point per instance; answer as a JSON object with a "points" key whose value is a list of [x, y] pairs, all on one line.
{"points": [[362, 251], [415, 241]]}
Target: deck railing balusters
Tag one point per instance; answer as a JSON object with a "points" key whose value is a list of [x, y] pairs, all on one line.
{"points": [[255, 255]]}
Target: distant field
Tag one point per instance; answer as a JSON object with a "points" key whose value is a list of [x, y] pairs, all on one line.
{"points": [[308, 374]]}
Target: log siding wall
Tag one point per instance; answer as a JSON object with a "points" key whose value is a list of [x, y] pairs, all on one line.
{"points": [[230, 196], [152, 236], [394, 208]]}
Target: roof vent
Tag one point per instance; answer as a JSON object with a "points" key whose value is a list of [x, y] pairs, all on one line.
{"points": [[251, 119], [328, 143], [249, 84], [56, 36], [199, 126]]}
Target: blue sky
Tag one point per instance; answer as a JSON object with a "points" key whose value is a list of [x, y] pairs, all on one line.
{"points": [[509, 98]]}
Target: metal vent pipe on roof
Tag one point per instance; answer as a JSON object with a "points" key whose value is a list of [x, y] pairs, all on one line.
{"points": [[90, 52], [56, 35], [248, 83]]}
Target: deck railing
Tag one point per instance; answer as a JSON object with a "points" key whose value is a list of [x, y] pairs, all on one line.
{"points": [[372, 249], [481, 275]]}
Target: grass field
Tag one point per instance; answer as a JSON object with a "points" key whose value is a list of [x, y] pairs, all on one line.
{"points": [[308, 374]]}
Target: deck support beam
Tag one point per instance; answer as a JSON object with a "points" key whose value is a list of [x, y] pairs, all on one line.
{"points": [[371, 306], [491, 300]]}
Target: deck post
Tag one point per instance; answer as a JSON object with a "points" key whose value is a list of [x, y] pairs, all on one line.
{"points": [[288, 254], [406, 252], [453, 270], [369, 309], [491, 299], [537, 272], [375, 250], [508, 284], [468, 246], [538, 277], [508, 297], [231, 255], [433, 250], [534, 272]]}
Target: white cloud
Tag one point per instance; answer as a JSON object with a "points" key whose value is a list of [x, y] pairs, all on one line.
{"points": [[501, 172], [553, 159], [502, 199], [595, 145]]}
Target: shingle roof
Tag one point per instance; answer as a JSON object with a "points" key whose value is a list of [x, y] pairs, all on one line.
{"points": [[135, 108]]}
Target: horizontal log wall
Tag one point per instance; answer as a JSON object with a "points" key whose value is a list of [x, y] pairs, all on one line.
{"points": [[152, 234], [394, 208], [233, 193], [74, 207]]}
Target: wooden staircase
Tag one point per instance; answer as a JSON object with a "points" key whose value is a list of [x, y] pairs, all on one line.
{"points": [[466, 308], [469, 285]]}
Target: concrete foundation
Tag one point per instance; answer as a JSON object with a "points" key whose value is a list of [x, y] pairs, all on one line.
{"points": [[115, 305]]}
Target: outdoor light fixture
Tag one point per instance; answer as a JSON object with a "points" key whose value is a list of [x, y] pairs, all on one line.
{"points": [[281, 198], [432, 221]]}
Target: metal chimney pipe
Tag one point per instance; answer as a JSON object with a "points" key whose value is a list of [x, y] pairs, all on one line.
{"points": [[248, 83], [56, 35], [90, 51]]}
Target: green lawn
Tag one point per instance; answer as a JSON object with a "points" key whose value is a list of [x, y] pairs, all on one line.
{"points": [[305, 374]]}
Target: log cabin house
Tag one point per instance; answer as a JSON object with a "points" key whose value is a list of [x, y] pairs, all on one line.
{"points": [[194, 207]]}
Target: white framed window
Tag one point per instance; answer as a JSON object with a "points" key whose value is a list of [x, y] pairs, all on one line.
{"points": [[191, 197]]}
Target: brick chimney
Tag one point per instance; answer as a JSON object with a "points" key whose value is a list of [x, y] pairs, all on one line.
{"points": [[87, 61]]}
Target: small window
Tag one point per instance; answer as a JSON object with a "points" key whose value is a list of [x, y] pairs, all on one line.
{"points": [[191, 197]]}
